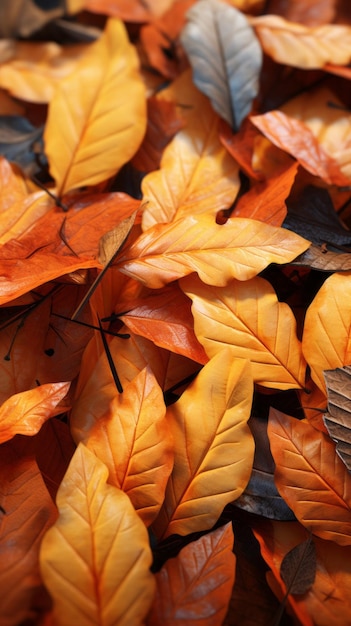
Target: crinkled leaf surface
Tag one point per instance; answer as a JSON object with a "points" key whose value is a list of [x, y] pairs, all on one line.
{"points": [[303, 46], [248, 317], [197, 174], [195, 587], [95, 560], [226, 57], [311, 477], [24, 413], [327, 329], [213, 446], [338, 417], [240, 248], [102, 110], [134, 441], [27, 512]]}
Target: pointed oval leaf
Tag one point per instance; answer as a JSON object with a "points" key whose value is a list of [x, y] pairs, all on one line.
{"points": [[195, 587], [213, 446], [298, 567], [27, 511], [103, 111], [240, 248], [338, 418], [25, 412], [327, 329], [311, 477], [226, 57], [248, 317], [134, 441], [95, 560]]}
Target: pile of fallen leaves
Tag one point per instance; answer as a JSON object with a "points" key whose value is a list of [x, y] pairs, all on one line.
{"points": [[175, 257]]}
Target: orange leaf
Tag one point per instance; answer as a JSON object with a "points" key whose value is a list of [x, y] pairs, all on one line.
{"points": [[134, 441], [213, 446], [240, 248], [27, 511], [295, 137], [302, 46], [197, 174], [24, 413], [95, 560], [195, 587], [327, 330], [311, 477], [248, 317], [103, 107], [128, 10]]}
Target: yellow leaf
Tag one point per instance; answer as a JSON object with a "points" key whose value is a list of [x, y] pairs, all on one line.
{"points": [[95, 560], [198, 581], [134, 441], [311, 477], [24, 413], [97, 117], [248, 317], [303, 46], [240, 248], [326, 341], [197, 174], [213, 446]]}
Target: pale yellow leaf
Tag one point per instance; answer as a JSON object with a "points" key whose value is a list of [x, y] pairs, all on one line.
{"points": [[95, 560]]}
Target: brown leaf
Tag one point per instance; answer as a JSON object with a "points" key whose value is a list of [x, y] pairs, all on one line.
{"points": [[338, 419], [320, 259], [298, 567]]}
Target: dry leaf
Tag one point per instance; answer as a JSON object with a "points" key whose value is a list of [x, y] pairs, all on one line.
{"points": [[248, 317], [102, 111], [225, 56], [213, 446], [337, 419], [298, 567], [95, 560]]}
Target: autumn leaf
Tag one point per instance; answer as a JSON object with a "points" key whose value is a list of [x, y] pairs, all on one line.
{"points": [[27, 511], [240, 248], [213, 446], [225, 56], [24, 413], [134, 441], [302, 46], [86, 101], [195, 586], [95, 559], [248, 317], [327, 328], [311, 477], [298, 567], [296, 138], [337, 419]]}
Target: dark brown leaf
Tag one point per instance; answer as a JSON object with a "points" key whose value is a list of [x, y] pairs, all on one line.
{"points": [[338, 418], [298, 568]]}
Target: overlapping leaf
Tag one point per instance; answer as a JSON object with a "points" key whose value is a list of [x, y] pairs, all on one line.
{"points": [[195, 586], [213, 446], [240, 248], [303, 46], [134, 441], [225, 56], [311, 477], [106, 545], [327, 328], [86, 102], [24, 413], [338, 418], [248, 317]]}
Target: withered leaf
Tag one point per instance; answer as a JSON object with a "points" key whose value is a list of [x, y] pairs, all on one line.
{"points": [[298, 568], [21, 142], [320, 258], [226, 58], [338, 418], [27, 16]]}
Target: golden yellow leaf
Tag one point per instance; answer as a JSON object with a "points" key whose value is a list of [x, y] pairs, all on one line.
{"points": [[303, 46], [134, 441], [97, 117], [197, 174], [195, 587], [326, 340], [240, 248], [24, 413], [248, 317], [213, 446], [311, 477], [95, 560]]}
